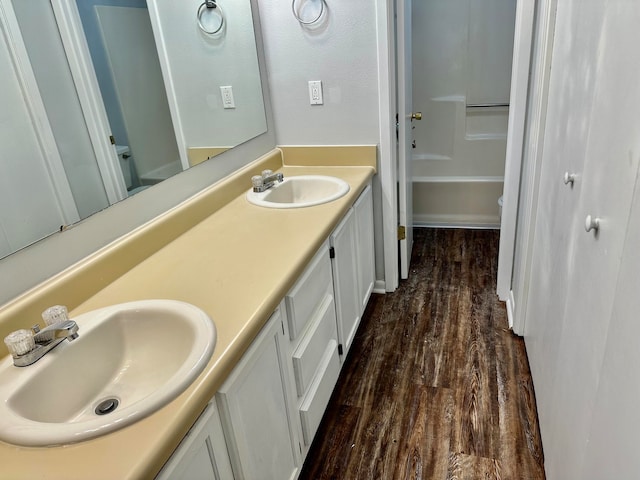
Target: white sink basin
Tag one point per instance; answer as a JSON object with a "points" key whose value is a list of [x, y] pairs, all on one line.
{"points": [[142, 354], [300, 191]]}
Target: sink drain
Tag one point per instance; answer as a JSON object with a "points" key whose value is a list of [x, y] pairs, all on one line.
{"points": [[107, 406]]}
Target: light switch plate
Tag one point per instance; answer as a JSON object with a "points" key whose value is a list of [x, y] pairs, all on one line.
{"points": [[315, 92], [227, 97]]}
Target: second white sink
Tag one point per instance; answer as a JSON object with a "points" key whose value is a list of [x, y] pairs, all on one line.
{"points": [[300, 191]]}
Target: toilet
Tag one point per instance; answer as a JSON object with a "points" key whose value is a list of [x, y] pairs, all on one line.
{"points": [[126, 166]]}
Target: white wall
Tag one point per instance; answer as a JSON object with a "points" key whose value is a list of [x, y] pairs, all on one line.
{"points": [[580, 307], [199, 64], [341, 51]]}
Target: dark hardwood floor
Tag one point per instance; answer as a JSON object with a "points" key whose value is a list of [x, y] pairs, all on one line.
{"points": [[435, 385]]}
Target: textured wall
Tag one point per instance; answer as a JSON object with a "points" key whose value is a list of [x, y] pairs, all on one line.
{"points": [[340, 51]]}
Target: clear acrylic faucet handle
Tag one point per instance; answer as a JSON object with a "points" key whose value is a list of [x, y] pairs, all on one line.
{"points": [[55, 314]]}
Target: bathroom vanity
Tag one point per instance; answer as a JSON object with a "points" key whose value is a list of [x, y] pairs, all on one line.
{"points": [[272, 403], [285, 313]]}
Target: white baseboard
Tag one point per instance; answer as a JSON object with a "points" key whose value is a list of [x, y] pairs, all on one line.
{"points": [[456, 221], [511, 307], [379, 287]]}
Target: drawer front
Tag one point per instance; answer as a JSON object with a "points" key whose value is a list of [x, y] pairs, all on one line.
{"points": [[309, 292], [308, 356], [319, 393]]}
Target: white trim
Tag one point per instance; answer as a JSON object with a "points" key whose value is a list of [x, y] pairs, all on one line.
{"points": [[457, 179], [387, 150], [165, 68], [38, 113], [481, 137], [510, 309], [525, 12], [95, 116], [425, 223], [541, 67], [474, 222], [431, 157], [379, 287], [404, 92]]}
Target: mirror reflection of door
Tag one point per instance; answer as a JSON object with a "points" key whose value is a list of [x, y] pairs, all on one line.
{"points": [[125, 60]]}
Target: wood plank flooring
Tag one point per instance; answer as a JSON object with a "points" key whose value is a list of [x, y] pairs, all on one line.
{"points": [[435, 386]]}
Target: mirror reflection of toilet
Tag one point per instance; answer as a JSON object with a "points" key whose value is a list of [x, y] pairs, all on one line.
{"points": [[128, 168]]}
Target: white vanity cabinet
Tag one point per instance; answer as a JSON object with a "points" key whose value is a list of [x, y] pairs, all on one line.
{"points": [[313, 362], [271, 405], [353, 270], [254, 409], [202, 454], [365, 250]]}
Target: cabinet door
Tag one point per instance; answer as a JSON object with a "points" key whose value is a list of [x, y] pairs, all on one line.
{"points": [[255, 413], [363, 209], [345, 280], [606, 192], [202, 454]]}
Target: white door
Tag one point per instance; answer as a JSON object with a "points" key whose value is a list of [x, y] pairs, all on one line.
{"points": [[405, 107], [139, 88], [255, 412], [345, 280], [35, 197]]}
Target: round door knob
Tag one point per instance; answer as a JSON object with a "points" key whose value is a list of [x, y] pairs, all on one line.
{"points": [[416, 116], [591, 223], [569, 178]]}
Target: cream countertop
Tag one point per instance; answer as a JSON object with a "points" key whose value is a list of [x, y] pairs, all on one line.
{"points": [[237, 265]]}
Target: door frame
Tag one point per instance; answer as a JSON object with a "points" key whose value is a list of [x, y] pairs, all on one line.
{"points": [[387, 151], [86, 82], [404, 79], [523, 40], [532, 162]]}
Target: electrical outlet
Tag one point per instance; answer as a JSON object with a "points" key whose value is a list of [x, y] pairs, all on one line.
{"points": [[315, 92], [227, 97]]}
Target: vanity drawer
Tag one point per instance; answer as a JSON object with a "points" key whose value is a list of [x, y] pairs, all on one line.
{"points": [[319, 393], [309, 292], [308, 356]]}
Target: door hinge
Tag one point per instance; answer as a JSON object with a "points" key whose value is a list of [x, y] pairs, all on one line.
{"points": [[332, 252], [112, 139], [402, 232], [340, 349]]}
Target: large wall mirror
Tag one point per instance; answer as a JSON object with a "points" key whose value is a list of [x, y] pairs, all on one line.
{"points": [[104, 98]]}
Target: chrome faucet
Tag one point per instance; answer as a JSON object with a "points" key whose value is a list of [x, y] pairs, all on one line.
{"points": [[46, 340], [262, 183]]}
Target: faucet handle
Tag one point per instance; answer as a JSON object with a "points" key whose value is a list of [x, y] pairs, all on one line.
{"points": [[267, 173], [256, 181], [20, 342], [55, 314]]}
